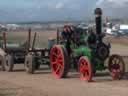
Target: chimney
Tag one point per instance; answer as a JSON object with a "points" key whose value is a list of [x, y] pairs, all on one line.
{"points": [[98, 20]]}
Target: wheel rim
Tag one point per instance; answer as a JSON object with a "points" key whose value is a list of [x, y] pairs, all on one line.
{"points": [[57, 61], [102, 52], [116, 67], [7, 63], [0, 61], [27, 64], [84, 69]]}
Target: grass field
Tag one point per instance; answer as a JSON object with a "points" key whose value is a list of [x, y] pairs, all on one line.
{"points": [[44, 35], [22, 36]]}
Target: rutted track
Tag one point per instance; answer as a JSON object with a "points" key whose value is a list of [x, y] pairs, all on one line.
{"points": [[42, 83], [46, 85]]}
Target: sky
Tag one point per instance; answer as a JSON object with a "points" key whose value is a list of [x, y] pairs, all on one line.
{"points": [[58, 10]]}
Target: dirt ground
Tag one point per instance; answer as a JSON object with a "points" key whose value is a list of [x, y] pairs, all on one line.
{"points": [[42, 83]]}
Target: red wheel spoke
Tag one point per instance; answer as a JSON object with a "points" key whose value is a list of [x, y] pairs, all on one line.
{"points": [[83, 68], [58, 68], [84, 73], [54, 54], [54, 63], [83, 63], [118, 61], [114, 61], [60, 62], [59, 57], [86, 68], [58, 52]]}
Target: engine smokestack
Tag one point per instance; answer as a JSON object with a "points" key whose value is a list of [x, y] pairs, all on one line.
{"points": [[98, 20]]}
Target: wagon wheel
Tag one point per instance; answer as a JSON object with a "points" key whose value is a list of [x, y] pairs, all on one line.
{"points": [[116, 66], [59, 61], [2, 62], [36, 61], [30, 64], [37, 66], [85, 69], [9, 63]]}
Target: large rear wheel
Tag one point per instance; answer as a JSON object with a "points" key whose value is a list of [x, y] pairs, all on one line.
{"points": [[116, 66], [85, 69], [59, 61]]}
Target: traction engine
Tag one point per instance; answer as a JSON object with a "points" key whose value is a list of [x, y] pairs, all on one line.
{"points": [[85, 51]]}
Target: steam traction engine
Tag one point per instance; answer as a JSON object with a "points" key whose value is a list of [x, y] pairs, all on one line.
{"points": [[85, 51]]}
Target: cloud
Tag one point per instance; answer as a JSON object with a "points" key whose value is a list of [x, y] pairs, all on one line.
{"points": [[99, 2], [59, 5], [114, 8], [56, 6], [114, 3], [66, 4]]}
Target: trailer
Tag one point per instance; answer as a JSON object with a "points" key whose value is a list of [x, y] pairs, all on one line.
{"points": [[37, 56], [27, 54]]}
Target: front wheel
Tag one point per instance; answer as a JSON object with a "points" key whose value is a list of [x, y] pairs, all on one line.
{"points": [[116, 66], [85, 69]]}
